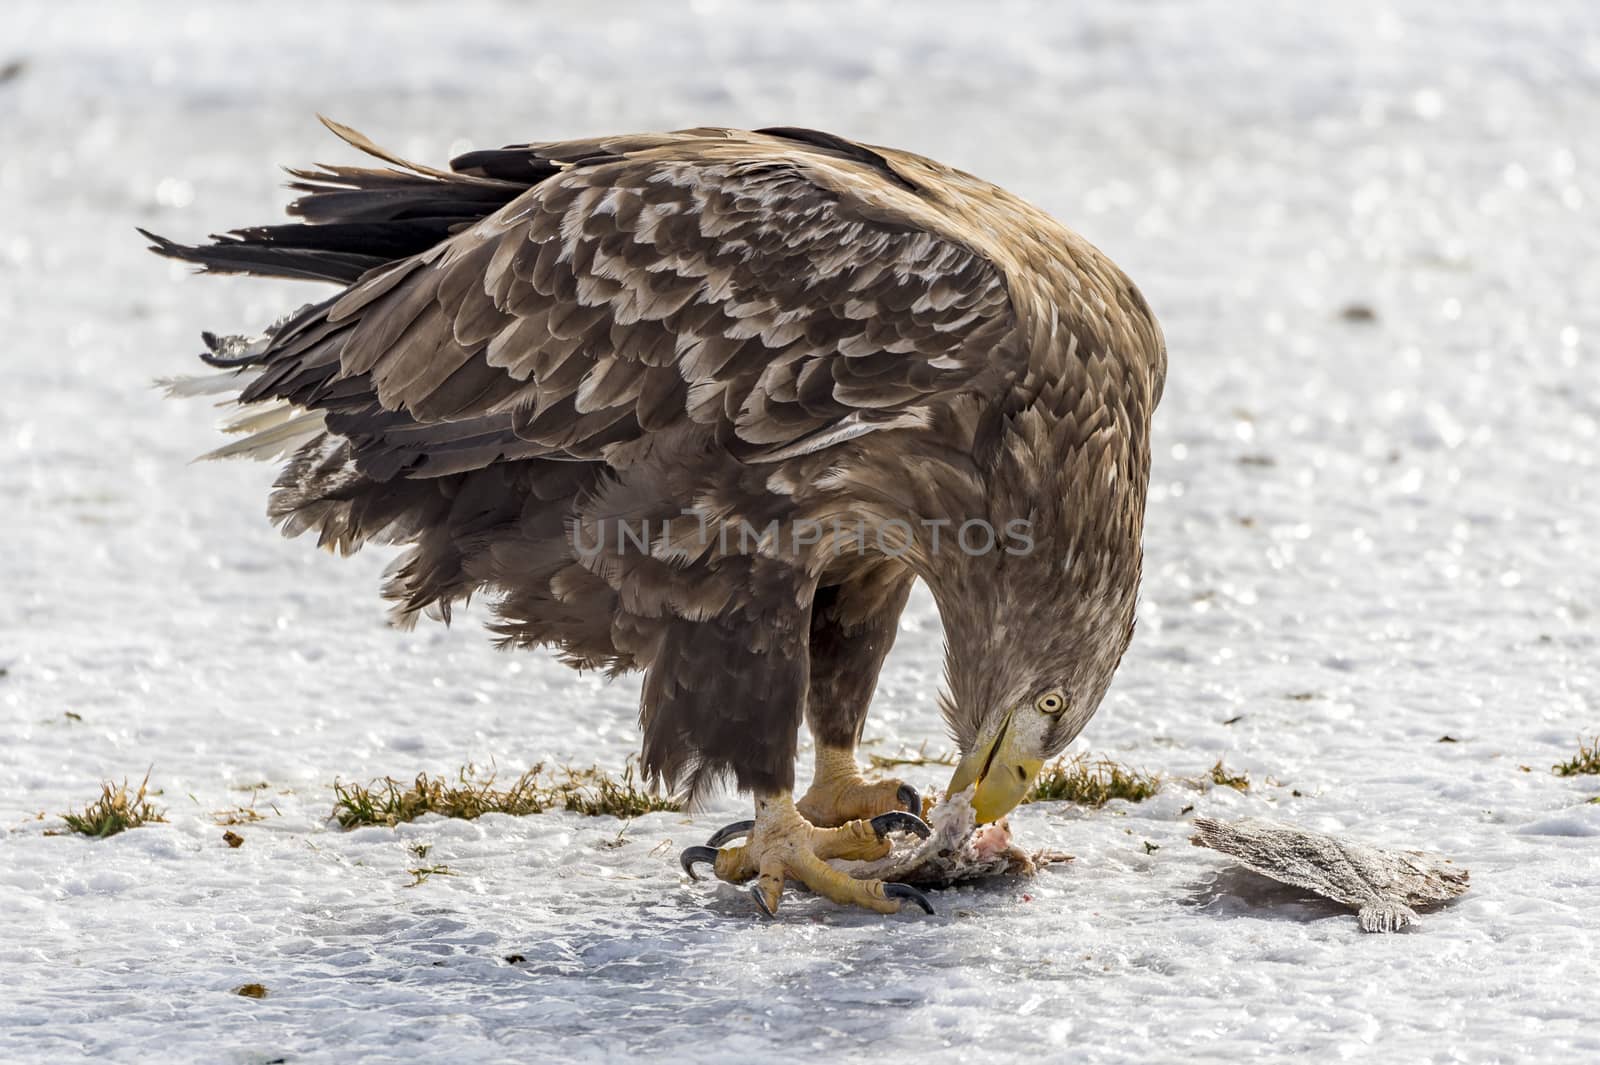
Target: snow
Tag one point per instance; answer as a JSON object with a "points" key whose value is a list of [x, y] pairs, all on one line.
{"points": [[1362, 536]]}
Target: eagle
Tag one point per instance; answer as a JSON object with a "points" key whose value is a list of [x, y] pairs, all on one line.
{"points": [[705, 404]]}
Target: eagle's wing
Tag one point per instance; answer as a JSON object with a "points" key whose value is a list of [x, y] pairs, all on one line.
{"points": [[784, 296]]}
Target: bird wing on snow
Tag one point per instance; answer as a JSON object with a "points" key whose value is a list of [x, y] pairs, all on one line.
{"points": [[1382, 885], [782, 294]]}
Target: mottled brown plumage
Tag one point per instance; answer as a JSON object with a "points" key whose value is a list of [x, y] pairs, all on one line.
{"points": [[698, 334]]}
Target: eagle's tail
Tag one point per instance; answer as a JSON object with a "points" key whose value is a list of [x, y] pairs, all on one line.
{"points": [[358, 219], [354, 220]]}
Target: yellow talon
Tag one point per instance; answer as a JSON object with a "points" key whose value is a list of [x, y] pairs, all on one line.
{"points": [[783, 845]]}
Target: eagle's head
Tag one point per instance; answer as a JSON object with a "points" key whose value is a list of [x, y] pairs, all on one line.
{"points": [[1022, 680], [1035, 631]]}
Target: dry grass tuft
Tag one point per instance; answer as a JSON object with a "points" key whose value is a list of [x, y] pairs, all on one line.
{"points": [[114, 811], [251, 990], [1092, 782], [472, 794], [421, 873], [1587, 760], [594, 793], [921, 757], [1220, 776], [388, 802], [242, 815]]}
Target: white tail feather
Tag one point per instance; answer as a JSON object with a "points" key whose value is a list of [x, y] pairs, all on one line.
{"points": [[185, 386], [261, 417], [275, 442]]}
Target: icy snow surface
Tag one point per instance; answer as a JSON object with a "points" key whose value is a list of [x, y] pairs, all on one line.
{"points": [[1363, 536]]}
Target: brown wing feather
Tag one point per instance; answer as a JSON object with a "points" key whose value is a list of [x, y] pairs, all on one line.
{"points": [[739, 282]]}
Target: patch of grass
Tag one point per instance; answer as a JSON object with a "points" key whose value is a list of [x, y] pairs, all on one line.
{"points": [[1092, 782], [388, 802], [1587, 760], [921, 757], [114, 811], [592, 792], [1220, 776]]}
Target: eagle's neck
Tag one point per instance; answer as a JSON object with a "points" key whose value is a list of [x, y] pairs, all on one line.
{"points": [[1060, 608], [1064, 460], [1063, 483]]}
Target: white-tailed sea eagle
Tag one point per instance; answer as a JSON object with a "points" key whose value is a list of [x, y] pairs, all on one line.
{"points": [[704, 404]]}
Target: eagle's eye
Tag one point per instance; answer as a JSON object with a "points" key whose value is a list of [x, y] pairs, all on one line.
{"points": [[1051, 703]]}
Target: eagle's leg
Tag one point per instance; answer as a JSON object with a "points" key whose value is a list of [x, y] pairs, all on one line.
{"points": [[713, 663], [783, 845], [853, 625]]}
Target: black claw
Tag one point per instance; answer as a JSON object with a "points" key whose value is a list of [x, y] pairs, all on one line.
{"points": [[900, 821], [906, 891], [693, 855], [761, 901], [727, 832], [910, 799]]}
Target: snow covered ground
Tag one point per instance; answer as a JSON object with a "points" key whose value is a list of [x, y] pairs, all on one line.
{"points": [[1364, 535]]}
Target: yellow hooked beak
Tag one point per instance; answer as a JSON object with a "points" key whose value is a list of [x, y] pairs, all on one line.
{"points": [[1002, 769]]}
